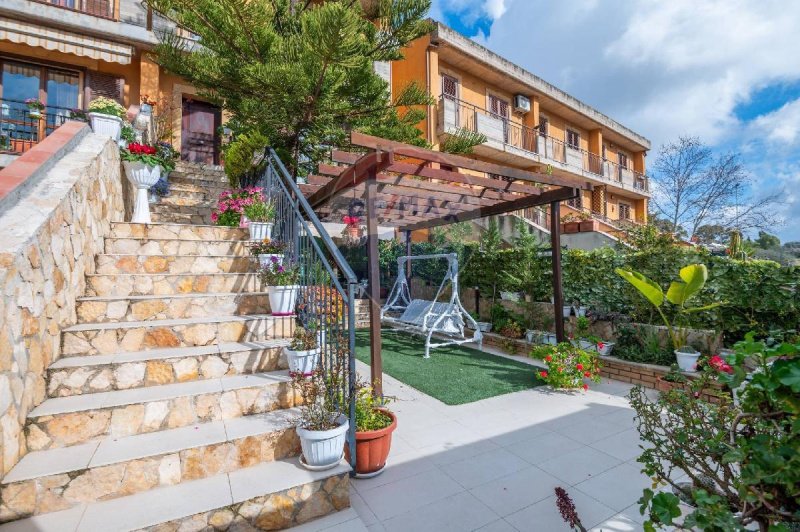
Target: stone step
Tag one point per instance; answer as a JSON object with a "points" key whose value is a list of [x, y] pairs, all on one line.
{"points": [[163, 208], [159, 246], [173, 264], [211, 190], [116, 309], [211, 178], [177, 231], [61, 478], [181, 200], [108, 338], [139, 284], [268, 496], [180, 218], [78, 375], [177, 190], [67, 421]]}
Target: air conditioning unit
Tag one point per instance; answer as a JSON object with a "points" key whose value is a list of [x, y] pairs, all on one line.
{"points": [[522, 104]]}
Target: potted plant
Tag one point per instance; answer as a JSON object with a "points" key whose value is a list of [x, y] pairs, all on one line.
{"points": [[142, 168], [260, 215], [303, 353], [374, 427], [159, 190], [281, 280], [568, 366], [352, 226], [230, 206], [321, 428], [268, 252], [567, 310], [672, 379], [106, 117], [693, 279], [78, 114], [126, 135], [582, 337], [35, 108], [589, 224], [570, 224], [512, 329]]}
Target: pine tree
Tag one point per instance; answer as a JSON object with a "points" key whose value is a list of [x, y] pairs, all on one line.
{"points": [[301, 73]]}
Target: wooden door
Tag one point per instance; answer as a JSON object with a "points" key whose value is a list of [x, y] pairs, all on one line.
{"points": [[199, 139], [499, 108]]}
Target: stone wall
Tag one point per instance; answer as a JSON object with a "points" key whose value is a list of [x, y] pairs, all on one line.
{"points": [[50, 238]]}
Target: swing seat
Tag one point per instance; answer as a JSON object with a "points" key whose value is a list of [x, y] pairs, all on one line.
{"points": [[418, 309]]}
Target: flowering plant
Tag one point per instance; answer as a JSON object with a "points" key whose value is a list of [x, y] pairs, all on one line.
{"points": [[147, 101], [260, 211], [568, 366], [231, 204], [78, 114], [127, 133], [351, 220], [275, 274], [161, 187], [267, 247], [107, 106], [140, 153], [168, 155], [34, 103]]}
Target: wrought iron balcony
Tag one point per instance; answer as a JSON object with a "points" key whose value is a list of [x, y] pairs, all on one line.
{"points": [[21, 129], [455, 114]]}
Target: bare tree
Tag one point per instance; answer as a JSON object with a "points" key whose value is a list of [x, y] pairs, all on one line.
{"points": [[695, 188]]}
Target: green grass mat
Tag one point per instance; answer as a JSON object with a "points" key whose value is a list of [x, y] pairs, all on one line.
{"points": [[454, 374]]}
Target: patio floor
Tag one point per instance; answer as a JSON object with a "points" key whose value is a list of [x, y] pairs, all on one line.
{"points": [[492, 465]]}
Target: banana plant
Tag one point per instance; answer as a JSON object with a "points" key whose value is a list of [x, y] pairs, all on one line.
{"points": [[693, 279]]}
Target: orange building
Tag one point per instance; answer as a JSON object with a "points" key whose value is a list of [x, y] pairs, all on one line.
{"points": [[65, 53], [528, 123]]}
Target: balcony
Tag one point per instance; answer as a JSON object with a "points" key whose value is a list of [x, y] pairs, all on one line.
{"points": [[526, 144], [19, 131], [98, 8]]}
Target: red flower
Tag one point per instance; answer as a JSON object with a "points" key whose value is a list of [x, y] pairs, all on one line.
{"points": [[548, 358], [543, 374], [351, 220], [585, 387], [587, 374], [719, 364], [601, 345], [579, 367], [141, 149]]}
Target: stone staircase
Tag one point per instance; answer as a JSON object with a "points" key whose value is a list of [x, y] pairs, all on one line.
{"points": [[170, 407]]}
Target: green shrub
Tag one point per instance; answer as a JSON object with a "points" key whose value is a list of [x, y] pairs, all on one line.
{"points": [[244, 158]]}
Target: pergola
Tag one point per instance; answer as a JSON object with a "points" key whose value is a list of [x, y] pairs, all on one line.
{"points": [[412, 188]]}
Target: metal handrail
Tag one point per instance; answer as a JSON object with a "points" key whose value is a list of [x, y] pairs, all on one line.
{"points": [[322, 294]]}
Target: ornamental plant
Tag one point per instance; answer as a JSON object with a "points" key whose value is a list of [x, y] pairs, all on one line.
{"points": [[260, 211], [161, 187], [231, 204], [568, 366], [168, 155], [368, 417], [140, 153], [324, 393], [34, 104], [274, 274], [146, 100], [351, 220], [742, 458], [78, 114], [303, 339], [267, 247], [107, 106]]}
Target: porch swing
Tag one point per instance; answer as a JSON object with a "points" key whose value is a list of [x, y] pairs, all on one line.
{"points": [[419, 316]]}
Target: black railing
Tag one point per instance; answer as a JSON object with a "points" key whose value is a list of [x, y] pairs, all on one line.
{"points": [[328, 286], [22, 128]]}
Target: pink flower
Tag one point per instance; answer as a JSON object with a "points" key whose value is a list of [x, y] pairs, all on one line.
{"points": [[600, 345], [543, 374], [585, 387]]}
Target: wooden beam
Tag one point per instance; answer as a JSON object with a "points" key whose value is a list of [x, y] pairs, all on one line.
{"points": [[346, 157], [558, 292], [355, 175], [559, 194], [373, 276]]}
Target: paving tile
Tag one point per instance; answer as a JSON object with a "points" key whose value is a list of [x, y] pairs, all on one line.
{"points": [[447, 454], [617, 488], [407, 494], [578, 465], [623, 445], [357, 503], [520, 434], [457, 513], [485, 467], [623, 417], [343, 521], [545, 447], [501, 525], [63, 521], [448, 433], [544, 514], [514, 492], [397, 467], [590, 430]]}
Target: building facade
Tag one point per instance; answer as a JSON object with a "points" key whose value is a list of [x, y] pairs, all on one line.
{"points": [[66, 53], [528, 123]]}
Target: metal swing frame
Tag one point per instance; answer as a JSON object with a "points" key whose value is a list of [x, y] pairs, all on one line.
{"points": [[447, 319]]}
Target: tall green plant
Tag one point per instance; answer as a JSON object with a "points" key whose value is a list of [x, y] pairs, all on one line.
{"points": [[693, 279]]}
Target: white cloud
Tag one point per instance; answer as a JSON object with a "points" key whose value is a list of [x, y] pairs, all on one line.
{"points": [[781, 126]]}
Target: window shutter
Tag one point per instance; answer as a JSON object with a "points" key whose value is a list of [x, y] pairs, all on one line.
{"points": [[108, 85]]}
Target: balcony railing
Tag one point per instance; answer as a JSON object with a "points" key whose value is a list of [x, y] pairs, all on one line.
{"points": [[98, 8], [20, 130], [456, 114]]}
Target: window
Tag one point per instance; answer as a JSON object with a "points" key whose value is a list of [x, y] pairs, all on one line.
{"points": [[573, 139], [449, 86], [544, 125], [624, 211], [498, 106], [623, 160]]}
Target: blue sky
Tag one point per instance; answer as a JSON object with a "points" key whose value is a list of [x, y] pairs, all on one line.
{"points": [[726, 71]]}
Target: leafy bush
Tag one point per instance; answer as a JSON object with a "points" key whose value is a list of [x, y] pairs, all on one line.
{"points": [[642, 344], [368, 417], [568, 366], [244, 158]]}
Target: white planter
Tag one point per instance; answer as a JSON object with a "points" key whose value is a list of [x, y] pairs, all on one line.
{"points": [[550, 339], [282, 299], [260, 230], [510, 296], [303, 362], [143, 177], [531, 335], [323, 448], [484, 326], [687, 360], [265, 259], [35, 114], [606, 349], [580, 312], [567, 311], [106, 125], [586, 346]]}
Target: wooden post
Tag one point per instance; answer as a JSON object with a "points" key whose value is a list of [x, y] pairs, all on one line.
{"points": [[408, 252], [555, 244], [373, 276]]}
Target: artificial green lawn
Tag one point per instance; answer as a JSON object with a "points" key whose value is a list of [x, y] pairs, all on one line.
{"points": [[454, 374]]}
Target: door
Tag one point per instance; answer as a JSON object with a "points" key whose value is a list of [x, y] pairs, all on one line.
{"points": [[199, 139], [499, 109], [450, 100]]}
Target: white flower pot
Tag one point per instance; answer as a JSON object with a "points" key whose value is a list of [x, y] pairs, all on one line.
{"points": [[531, 335], [484, 326], [282, 299], [323, 448], [265, 259], [510, 296], [303, 362], [550, 339], [106, 125], [580, 312], [143, 177], [606, 349], [567, 310], [260, 230], [35, 114], [586, 346], [687, 360]]}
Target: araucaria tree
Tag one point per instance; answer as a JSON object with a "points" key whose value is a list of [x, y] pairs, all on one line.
{"points": [[299, 73], [694, 188]]}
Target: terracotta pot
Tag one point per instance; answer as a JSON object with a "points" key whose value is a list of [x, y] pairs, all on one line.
{"points": [[665, 386], [354, 231], [372, 447], [589, 225], [570, 227]]}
